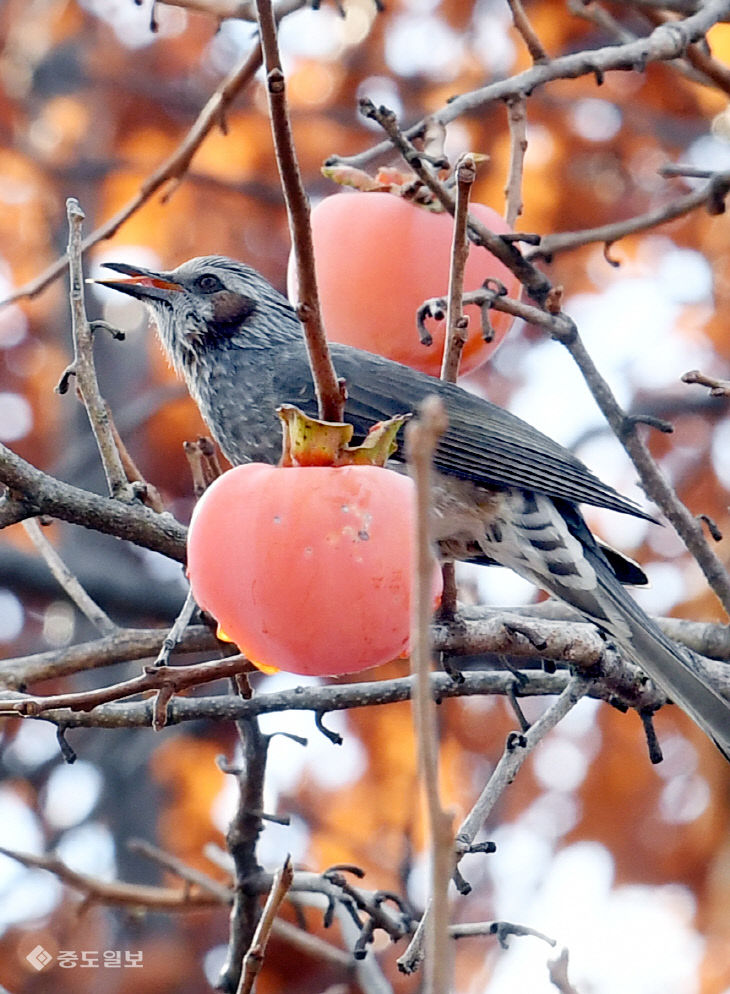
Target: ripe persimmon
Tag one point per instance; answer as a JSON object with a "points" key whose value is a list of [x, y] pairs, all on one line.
{"points": [[378, 258], [307, 568]]}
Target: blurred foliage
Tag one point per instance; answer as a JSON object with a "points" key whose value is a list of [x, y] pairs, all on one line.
{"points": [[90, 103]]}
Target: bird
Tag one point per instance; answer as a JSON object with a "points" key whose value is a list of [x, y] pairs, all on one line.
{"points": [[503, 491]]}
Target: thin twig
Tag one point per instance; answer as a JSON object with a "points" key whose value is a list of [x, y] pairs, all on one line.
{"points": [[254, 958], [516, 752], [502, 929], [143, 489], [330, 397], [457, 323], [457, 326], [83, 363], [718, 388], [117, 892], [523, 26], [712, 196], [168, 173], [653, 480], [517, 118], [35, 493], [229, 707], [187, 873], [664, 43], [241, 841], [175, 635], [124, 645], [152, 678], [68, 581], [558, 325], [422, 436], [512, 759]]}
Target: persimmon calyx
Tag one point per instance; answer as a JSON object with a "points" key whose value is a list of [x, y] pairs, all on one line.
{"points": [[398, 182], [310, 442]]}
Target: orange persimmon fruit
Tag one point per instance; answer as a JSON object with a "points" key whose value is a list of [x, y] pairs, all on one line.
{"points": [[378, 258], [307, 568]]}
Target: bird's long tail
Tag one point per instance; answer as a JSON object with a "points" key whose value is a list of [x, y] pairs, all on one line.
{"points": [[669, 665], [547, 541]]}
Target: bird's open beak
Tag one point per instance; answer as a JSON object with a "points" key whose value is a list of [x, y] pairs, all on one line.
{"points": [[140, 283]]}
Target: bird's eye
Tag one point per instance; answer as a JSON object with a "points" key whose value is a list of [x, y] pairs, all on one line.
{"points": [[208, 283]]}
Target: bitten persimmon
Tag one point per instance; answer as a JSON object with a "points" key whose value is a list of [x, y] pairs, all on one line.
{"points": [[307, 569], [379, 257]]}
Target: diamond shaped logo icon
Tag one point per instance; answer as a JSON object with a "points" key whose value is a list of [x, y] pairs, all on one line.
{"points": [[39, 958]]}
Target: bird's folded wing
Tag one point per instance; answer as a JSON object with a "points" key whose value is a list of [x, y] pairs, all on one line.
{"points": [[482, 443]]}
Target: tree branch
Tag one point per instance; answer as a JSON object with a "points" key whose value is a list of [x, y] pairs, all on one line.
{"points": [[330, 397], [712, 196], [36, 493]]}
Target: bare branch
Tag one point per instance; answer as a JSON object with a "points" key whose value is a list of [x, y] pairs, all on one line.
{"points": [[254, 958], [522, 24], [68, 581], [422, 436], [330, 396], [35, 493], [152, 678], [718, 388], [654, 482], [666, 42], [517, 118], [518, 748], [124, 645], [83, 363], [457, 323], [241, 839], [712, 196], [713, 69], [116, 892], [168, 174]]}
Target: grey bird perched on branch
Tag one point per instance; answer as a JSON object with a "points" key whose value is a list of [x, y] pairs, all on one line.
{"points": [[504, 492]]}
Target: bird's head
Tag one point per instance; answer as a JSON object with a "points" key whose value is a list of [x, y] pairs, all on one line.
{"points": [[207, 305]]}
